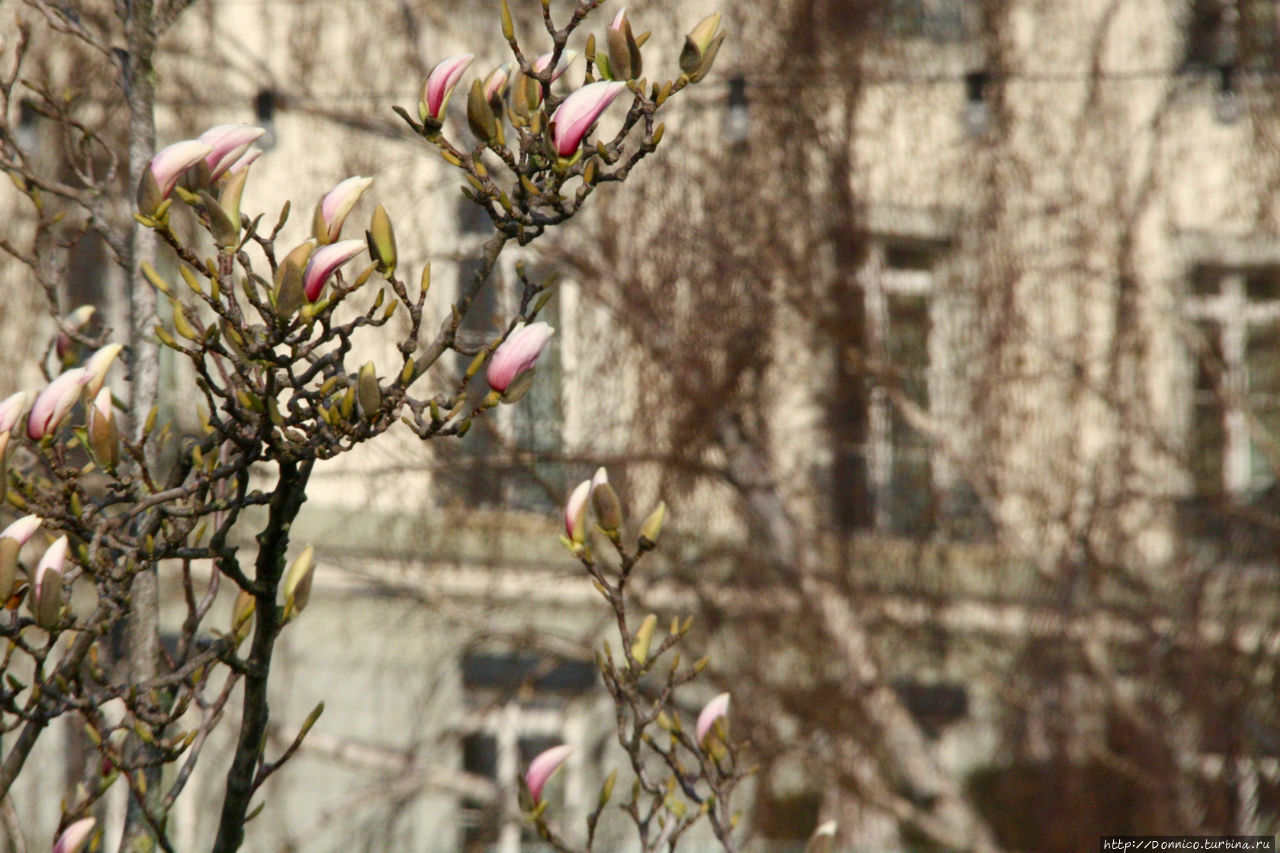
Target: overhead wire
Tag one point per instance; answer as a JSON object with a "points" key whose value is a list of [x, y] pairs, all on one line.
{"points": [[717, 91]]}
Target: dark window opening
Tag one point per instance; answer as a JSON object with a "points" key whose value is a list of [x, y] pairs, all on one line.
{"points": [[933, 706], [1208, 415], [943, 21], [466, 468], [513, 671], [1232, 34], [910, 500], [538, 475], [912, 255], [786, 820], [481, 822]]}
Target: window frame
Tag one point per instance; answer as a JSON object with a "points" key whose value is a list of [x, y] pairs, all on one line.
{"points": [[509, 715], [1229, 35], [512, 440], [1234, 314], [883, 282]]}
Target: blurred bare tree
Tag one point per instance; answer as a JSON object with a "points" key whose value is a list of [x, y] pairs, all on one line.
{"points": [[973, 426]]}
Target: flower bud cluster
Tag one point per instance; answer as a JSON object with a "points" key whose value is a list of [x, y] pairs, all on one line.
{"points": [[554, 132]]}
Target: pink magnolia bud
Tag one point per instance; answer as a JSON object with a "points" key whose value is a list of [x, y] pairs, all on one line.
{"points": [[73, 322], [574, 117], [324, 262], [337, 203], [22, 529], [605, 500], [440, 84], [496, 83], [73, 839], [517, 354], [11, 410], [52, 561], [245, 161], [541, 768], [98, 365], [172, 162], [716, 709], [624, 52], [101, 431], [229, 142], [12, 538], [566, 59], [55, 401], [575, 512]]}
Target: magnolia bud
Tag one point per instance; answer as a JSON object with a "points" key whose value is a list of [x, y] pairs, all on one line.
{"points": [[480, 117], [75, 837], [643, 638], [226, 234], [495, 86], [242, 616], [229, 197], [12, 539], [624, 53], [149, 195], [713, 721], [606, 790], [9, 549], [332, 210], [75, 321], [708, 59], [288, 285], [521, 106], [541, 769], [103, 434], [382, 242], [368, 394], [439, 85], [297, 583], [605, 502], [575, 513], [55, 402], [698, 43], [97, 365], [47, 593], [652, 527], [519, 386], [160, 178]]}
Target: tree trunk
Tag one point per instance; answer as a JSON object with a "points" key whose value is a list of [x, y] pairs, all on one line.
{"points": [[144, 610]]}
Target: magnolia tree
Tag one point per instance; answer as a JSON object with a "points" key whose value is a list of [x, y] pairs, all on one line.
{"points": [[269, 331]]}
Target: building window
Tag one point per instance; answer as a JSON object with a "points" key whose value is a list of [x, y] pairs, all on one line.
{"points": [[468, 469], [1237, 33], [486, 827], [934, 706], [899, 312], [1234, 419], [895, 377], [937, 20], [511, 457], [784, 820], [536, 423], [515, 707]]}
